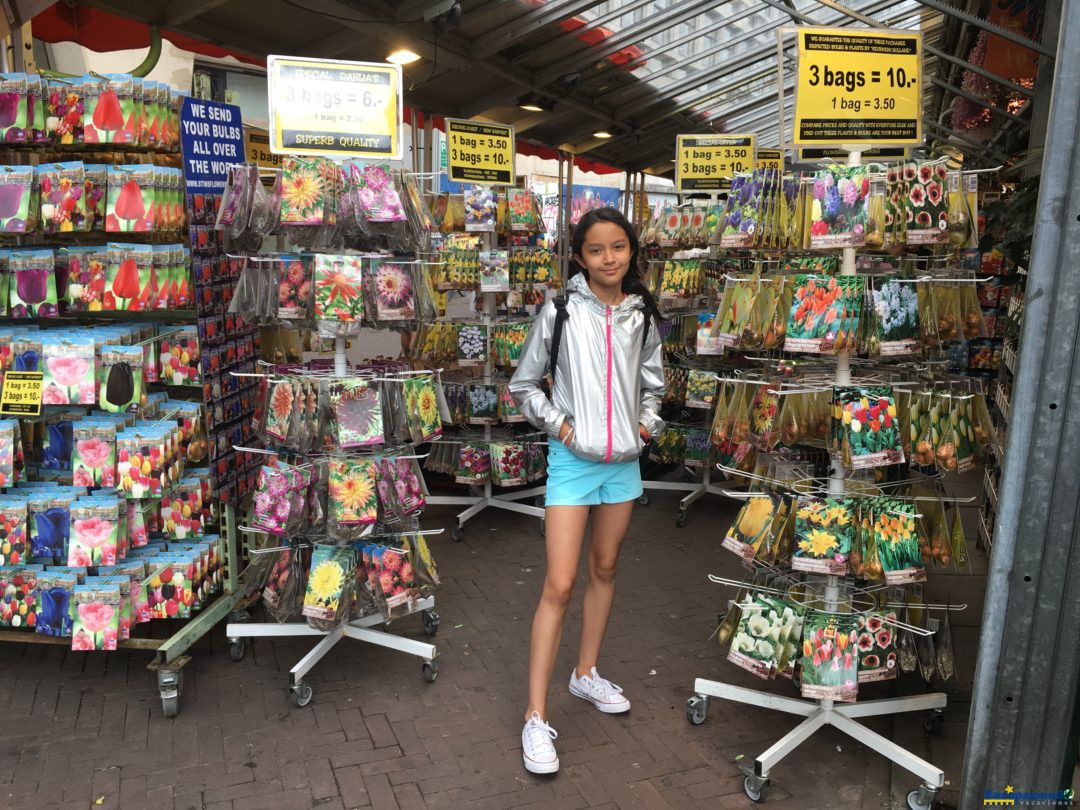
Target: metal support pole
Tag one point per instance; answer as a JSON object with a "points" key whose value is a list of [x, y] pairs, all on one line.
{"points": [[1029, 646], [626, 195], [429, 146]]}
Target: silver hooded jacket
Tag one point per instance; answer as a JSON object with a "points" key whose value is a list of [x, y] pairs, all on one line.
{"points": [[605, 384]]}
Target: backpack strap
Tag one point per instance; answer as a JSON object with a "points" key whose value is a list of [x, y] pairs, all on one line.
{"points": [[561, 315]]}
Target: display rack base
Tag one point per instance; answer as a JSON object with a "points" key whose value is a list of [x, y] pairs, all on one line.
{"points": [[487, 499], [826, 713], [360, 629], [696, 490]]}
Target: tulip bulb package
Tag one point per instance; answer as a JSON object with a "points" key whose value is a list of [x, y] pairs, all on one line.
{"points": [[18, 584], [95, 527], [55, 601], [110, 114], [866, 431], [97, 617], [830, 656], [120, 378], [131, 282], [93, 457], [130, 195], [32, 284], [70, 372]]}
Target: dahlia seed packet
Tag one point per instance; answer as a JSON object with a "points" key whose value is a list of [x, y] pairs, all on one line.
{"points": [[353, 496], [294, 291], [357, 412], [331, 569], [97, 617], [392, 282], [338, 288]]}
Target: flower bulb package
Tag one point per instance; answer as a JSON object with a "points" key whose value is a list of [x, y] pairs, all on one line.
{"points": [[97, 617], [830, 656]]}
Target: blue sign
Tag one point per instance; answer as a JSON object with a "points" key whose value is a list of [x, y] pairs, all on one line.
{"points": [[212, 138]]}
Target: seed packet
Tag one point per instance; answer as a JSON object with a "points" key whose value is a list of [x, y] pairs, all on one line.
{"points": [[93, 458], [928, 202], [94, 539], [818, 308], [752, 527], [357, 409], [494, 271], [865, 425], [395, 298], [473, 464], [54, 598], [32, 284], [824, 532], [120, 378], [15, 545], [69, 373], [338, 288], [480, 205], [353, 497], [15, 193], [403, 484], [471, 344], [700, 388], [63, 205], [764, 408], [422, 408], [331, 571], [130, 196], [830, 657], [294, 290], [896, 541], [839, 207]]}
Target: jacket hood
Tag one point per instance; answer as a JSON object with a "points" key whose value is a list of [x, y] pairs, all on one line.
{"points": [[579, 285]]}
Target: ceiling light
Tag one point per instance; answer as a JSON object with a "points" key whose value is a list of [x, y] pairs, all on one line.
{"points": [[602, 134], [527, 103], [534, 102], [403, 56]]}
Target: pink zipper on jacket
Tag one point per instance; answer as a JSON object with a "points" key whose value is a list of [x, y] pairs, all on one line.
{"points": [[607, 456]]}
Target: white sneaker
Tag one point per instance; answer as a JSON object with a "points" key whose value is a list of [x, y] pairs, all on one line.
{"points": [[538, 750], [601, 693]]}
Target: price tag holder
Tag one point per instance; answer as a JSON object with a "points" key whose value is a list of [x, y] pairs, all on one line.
{"points": [[480, 152], [707, 162], [815, 154], [770, 159], [857, 86], [21, 395], [334, 108]]}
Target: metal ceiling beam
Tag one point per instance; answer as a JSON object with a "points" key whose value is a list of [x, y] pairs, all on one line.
{"points": [[675, 15], [981, 102], [334, 45], [190, 11], [945, 134], [978, 22], [855, 15], [561, 35], [507, 34]]}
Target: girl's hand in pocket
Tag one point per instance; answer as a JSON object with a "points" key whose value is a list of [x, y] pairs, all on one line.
{"points": [[566, 433], [644, 432]]}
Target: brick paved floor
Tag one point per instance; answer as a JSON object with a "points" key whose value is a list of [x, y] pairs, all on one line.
{"points": [[85, 730]]}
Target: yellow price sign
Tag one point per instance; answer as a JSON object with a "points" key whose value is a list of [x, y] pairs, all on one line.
{"points": [[480, 152], [858, 86], [707, 162], [770, 159], [21, 395], [257, 148], [334, 108]]}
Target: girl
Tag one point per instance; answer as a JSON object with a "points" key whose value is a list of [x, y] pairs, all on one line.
{"points": [[606, 392]]}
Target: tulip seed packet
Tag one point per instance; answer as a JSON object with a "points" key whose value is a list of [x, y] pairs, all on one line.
{"points": [[824, 534], [353, 496], [866, 426], [876, 641], [93, 455], [70, 374], [15, 545], [94, 532], [120, 378], [32, 285], [818, 309], [110, 114], [13, 108], [54, 599], [129, 199], [16, 183], [97, 617], [338, 288], [494, 271], [18, 583], [830, 656], [897, 541], [395, 297], [331, 569]]}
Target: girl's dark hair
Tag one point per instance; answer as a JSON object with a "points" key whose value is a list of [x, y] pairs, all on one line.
{"points": [[631, 283]]}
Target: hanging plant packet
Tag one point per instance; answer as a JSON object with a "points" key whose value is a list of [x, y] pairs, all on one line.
{"points": [[14, 113], [97, 617], [70, 375], [494, 271], [331, 570], [473, 464], [54, 598], [763, 417], [357, 409], [839, 207], [929, 204], [94, 532], [868, 427], [129, 200], [338, 288], [472, 342], [897, 541], [896, 305], [32, 284], [752, 526], [86, 277], [93, 457], [294, 289], [756, 646], [395, 298], [483, 404], [63, 205], [304, 185], [830, 658], [876, 641], [700, 389], [65, 108], [353, 499], [817, 311], [16, 544], [15, 195], [377, 197], [422, 407], [480, 205], [120, 379], [824, 534], [508, 465], [404, 477]]}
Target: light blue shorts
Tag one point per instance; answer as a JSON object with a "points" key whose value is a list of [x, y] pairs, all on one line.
{"points": [[574, 481]]}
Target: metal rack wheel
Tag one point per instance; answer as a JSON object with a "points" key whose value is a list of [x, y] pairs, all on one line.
{"points": [[431, 671], [431, 621], [458, 534], [756, 788], [237, 648], [680, 518], [300, 695], [697, 709]]}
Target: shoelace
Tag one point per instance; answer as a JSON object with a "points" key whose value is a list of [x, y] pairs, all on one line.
{"points": [[540, 734], [602, 686]]}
